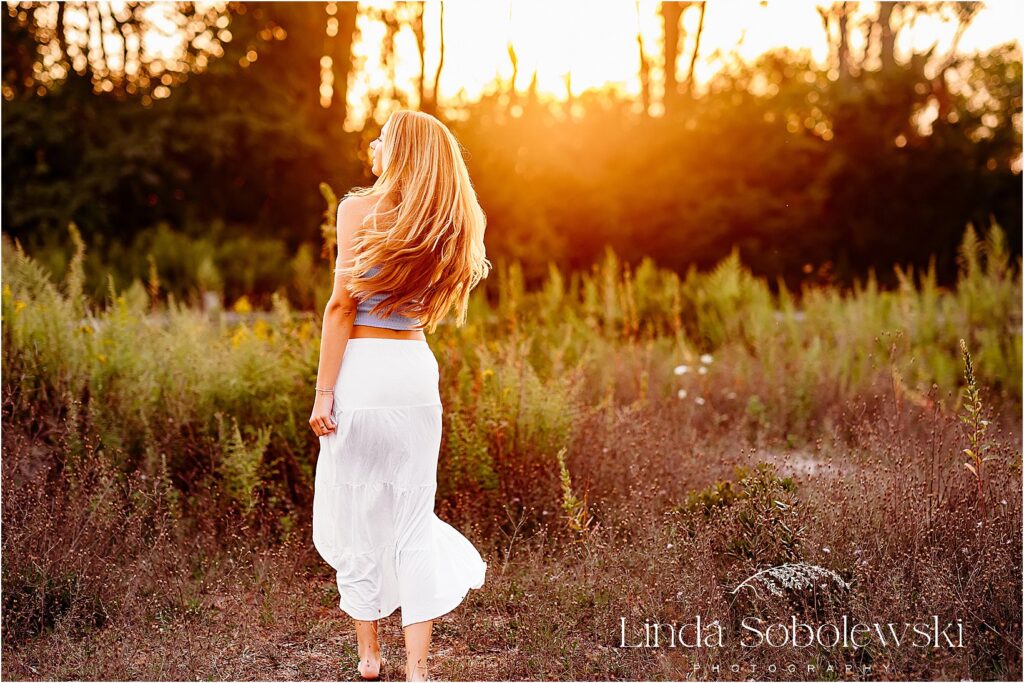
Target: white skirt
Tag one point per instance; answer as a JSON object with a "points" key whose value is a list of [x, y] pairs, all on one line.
{"points": [[376, 476]]}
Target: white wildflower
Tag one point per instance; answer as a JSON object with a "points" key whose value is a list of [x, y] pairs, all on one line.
{"points": [[699, 400], [681, 393], [682, 369], [706, 359], [702, 370], [826, 550], [669, 546], [795, 576]]}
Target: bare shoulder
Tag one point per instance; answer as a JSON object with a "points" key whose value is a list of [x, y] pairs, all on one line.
{"points": [[354, 206], [352, 211]]}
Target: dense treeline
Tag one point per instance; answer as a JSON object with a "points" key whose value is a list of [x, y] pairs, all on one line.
{"points": [[814, 173]]}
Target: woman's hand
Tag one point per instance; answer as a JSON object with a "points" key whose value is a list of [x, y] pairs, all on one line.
{"points": [[322, 420]]}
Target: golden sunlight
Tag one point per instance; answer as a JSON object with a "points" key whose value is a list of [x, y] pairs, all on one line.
{"points": [[575, 46]]}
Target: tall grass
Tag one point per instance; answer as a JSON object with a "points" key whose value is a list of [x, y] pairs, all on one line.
{"points": [[615, 427], [152, 380]]}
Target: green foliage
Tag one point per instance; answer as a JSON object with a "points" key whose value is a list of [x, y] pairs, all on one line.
{"points": [[577, 515], [188, 266], [240, 462], [35, 600], [764, 510], [501, 401], [720, 494], [145, 383], [715, 298], [976, 425], [147, 378], [808, 176], [467, 451]]}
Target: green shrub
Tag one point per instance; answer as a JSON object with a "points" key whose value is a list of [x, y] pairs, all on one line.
{"points": [[764, 511]]}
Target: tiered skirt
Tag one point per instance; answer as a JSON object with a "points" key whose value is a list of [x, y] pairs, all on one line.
{"points": [[376, 478]]}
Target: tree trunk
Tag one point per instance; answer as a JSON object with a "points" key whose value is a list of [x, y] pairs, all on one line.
{"points": [[844, 42], [696, 50], [341, 55], [440, 61], [645, 66], [887, 46], [671, 13]]}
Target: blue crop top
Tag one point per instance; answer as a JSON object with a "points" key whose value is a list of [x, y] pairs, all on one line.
{"points": [[395, 321]]}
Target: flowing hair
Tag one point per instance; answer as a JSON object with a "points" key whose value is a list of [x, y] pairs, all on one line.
{"points": [[430, 246]]}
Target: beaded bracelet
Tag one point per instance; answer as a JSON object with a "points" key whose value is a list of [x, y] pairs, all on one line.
{"points": [[327, 391]]}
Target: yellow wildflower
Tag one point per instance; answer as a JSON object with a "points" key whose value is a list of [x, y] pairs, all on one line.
{"points": [[239, 336], [261, 329], [242, 305]]}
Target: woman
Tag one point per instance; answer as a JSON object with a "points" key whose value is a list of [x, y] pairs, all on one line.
{"points": [[409, 249]]}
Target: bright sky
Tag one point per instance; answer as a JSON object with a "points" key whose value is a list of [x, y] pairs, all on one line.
{"points": [[596, 41]]}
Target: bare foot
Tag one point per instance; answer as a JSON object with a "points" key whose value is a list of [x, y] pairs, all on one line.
{"points": [[370, 660], [370, 667]]}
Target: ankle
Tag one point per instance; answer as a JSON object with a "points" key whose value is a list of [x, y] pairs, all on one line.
{"points": [[415, 672]]}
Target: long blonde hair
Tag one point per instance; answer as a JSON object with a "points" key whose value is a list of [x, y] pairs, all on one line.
{"points": [[430, 246]]}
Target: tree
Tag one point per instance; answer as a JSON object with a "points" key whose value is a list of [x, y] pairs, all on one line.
{"points": [[52, 43], [672, 14], [645, 66], [236, 115], [428, 94]]}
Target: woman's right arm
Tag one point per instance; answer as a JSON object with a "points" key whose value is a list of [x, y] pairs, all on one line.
{"points": [[339, 316]]}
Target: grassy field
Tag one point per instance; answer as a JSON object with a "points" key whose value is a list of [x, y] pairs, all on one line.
{"points": [[625, 446]]}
